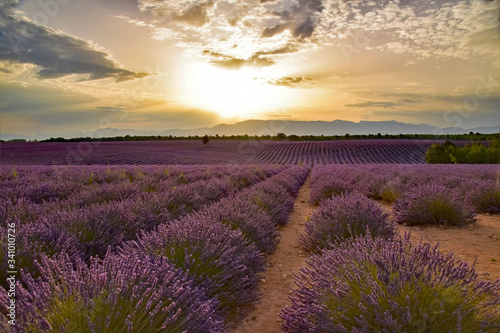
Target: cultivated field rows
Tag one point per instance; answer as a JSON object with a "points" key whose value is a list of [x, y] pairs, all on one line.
{"points": [[216, 152], [183, 248], [178, 247], [363, 276]]}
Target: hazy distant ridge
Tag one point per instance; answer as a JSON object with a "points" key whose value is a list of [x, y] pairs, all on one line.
{"points": [[337, 127], [272, 127]]}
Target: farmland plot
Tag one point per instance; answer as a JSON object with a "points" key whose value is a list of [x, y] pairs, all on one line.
{"points": [[216, 152]]}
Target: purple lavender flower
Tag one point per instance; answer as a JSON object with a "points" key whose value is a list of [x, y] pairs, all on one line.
{"points": [[255, 225], [274, 200], [431, 204], [215, 256], [375, 285], [327, 187], [345, 217], [32, 241], [483, 196], [117, 294]]}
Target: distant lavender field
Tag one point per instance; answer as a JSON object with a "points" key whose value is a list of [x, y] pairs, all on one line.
{"points": [[216, 152]]}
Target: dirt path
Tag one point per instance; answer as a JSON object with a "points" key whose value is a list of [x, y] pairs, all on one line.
{"points": [[279, 279], [479, 242]]}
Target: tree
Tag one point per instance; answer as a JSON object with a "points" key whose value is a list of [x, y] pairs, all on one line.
{"points": [[205, 140], [475, 153], [281, 136], [437, 153]]}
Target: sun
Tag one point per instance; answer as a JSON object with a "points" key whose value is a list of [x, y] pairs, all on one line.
{"points": [[234, 94]]}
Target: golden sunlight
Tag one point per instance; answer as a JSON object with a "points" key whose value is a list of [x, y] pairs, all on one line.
{"points": [[234, 94]]}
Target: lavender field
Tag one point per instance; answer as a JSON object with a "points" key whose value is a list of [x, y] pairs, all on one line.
{"points": [[183, 248], [216, 152], [181, 245], [362, 277], [296, 166]]}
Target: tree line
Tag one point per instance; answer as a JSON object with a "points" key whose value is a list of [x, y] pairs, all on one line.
{"points": [[283, 137], [474, 153]]}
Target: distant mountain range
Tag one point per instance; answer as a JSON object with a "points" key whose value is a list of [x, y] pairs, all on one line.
{"points": [[336, 127], [272, 127]]}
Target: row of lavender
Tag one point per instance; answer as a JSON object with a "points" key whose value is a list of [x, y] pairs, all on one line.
{"points": [[216, 152], [81, 186], [476, 188], [84, 219], [84, 211], [196, 272], [362, 277]]}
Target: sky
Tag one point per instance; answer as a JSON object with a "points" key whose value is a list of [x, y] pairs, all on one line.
{"points": [[69, 67]]}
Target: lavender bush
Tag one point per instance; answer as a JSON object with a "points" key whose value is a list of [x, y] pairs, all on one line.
{"points": [[240, 180], [342, 218], [327, 187], [291, 179], [395, 179], [375, 285], [213, 255], [117, 294], [392, 190], [97, 227], [25, 211], [483, 196], [274, 200], [104, 193], [255, 225], [431, 204], [327, 181], [33, 241]]}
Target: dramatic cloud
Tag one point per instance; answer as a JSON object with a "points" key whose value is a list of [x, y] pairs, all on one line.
{"points": [[229, 62], [251, 32], [56, 54], [289, 81], [244, 28], [300, 19], [290, 48], [195, 15]]}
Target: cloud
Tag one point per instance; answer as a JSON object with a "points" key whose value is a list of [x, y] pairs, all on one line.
{"points": [[195, 15], [249, 32], [56, 54], [36, 100], [290, 48], [33, 109], [289, 81], [300, 19], [230, 62], [241, 29], [439, 29], [370, 104]]}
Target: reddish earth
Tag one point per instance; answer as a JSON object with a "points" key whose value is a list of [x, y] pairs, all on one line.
{"points": [[479, 243], [278, 279]]}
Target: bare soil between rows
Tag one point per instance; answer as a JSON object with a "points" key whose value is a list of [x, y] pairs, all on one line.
{"points": [[477, 244], [278, 279]]}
